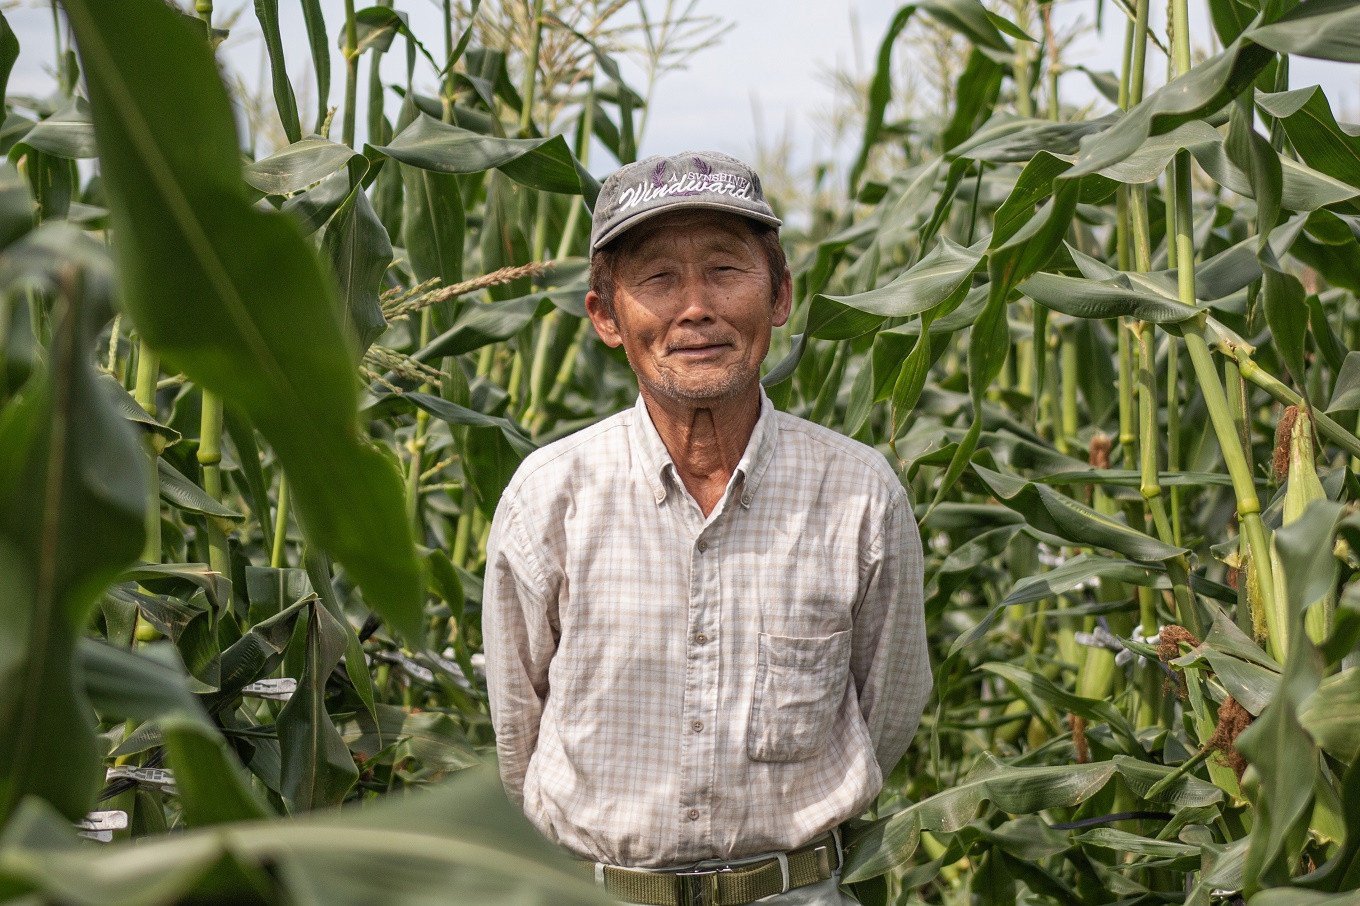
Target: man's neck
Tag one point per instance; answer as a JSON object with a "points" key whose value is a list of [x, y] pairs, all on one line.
{"points": [[705, 441]]}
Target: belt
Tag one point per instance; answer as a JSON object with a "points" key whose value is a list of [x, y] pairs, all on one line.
{"points": [[724, 885]]}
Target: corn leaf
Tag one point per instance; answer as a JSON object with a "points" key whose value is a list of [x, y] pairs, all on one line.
{"points": [[72, 495], [260, 326]]}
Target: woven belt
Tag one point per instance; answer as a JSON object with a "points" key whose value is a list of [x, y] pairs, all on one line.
{"points": [[725, 885]]}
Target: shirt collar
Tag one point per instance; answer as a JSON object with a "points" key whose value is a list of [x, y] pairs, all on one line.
{"points": [[656, 459]]}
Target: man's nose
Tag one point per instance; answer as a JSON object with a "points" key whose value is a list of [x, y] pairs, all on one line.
{"points": [[695, 304]]}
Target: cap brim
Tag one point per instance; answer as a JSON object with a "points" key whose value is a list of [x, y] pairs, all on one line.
{"points": [[633, 220]]}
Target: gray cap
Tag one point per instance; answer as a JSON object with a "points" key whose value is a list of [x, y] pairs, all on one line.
{"points": [[692, 179]]}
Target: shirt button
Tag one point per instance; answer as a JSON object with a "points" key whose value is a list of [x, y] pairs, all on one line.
{"points": [[698, 726], [701, 638], [703, 546], [694, 814]]}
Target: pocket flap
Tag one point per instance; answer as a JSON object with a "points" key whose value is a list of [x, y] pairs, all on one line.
{"points": [[805, 653]]}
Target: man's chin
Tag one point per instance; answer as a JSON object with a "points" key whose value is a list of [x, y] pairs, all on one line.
{"points": [[706, 390]]}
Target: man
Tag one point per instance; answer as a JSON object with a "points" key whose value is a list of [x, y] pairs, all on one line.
{"points": [[703, 617]]}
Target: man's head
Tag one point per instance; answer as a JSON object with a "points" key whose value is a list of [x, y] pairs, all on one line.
{"points": [[687, 274]]}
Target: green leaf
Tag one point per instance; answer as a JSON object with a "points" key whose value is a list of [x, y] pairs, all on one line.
{"points": [[1012, 139], [133, 412], [1286, 309], [1323, 29], [318, 769], [1203, 90], [889, 842], [434, 221], [1186, 792], [183, 494], [267, 12], [9, 53], [539, 163], [258, 326], [880, 92], [481, 324], [1125, 842], [490, 460], [295, 167], [1329, 715], [242, 436], [213, 787], [72, 497], [190, 624], [1305, 548], [922, 286], [376, 26], [66, 133], [315, 22], [146, 685], [454, 414], [359, 250], [318, 567], [1314, 132], [257, 652], [1346, 392], [1116, 297], [1050, 512], [459, 841], [1255, 157], [979, 86], [1033, 686], [1276, 744]]}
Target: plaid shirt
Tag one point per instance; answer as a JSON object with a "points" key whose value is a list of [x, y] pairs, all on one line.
{"points": [[667, 687]]}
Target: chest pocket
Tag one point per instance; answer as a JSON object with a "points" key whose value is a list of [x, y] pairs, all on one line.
{"points": [[798, 686]]}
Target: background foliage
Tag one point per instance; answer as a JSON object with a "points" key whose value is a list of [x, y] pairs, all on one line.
{"points": [[256, 411]]}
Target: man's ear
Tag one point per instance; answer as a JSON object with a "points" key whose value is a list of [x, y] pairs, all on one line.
{"points": [[605, 324], [783, 301]]}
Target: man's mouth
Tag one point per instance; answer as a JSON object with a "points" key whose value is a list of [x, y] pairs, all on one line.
{"points": [[699, 350]]}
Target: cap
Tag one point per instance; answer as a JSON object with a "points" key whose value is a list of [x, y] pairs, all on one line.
{"points": [[707, 180]]}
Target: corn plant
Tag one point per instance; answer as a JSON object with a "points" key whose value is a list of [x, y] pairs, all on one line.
{"points": [[258, 404]]}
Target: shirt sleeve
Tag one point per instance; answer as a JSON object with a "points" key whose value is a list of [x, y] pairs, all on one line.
{"points": [[889, 658], [519, 634]]}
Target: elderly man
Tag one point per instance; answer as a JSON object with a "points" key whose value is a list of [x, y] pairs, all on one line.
{"points": [[703, 617]]}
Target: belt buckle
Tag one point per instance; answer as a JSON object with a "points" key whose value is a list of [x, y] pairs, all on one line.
{"points": [[698, 888]]}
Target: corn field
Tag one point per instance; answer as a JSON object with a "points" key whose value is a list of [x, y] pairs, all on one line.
{"points": [[259, 399]]}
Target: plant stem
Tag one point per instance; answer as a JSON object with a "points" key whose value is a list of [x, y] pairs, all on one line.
{"points": [[378, 130], [1067, 356], [148, 371], [1173, 434], [210, 458], [1185, 767], [1286, 395], [1024, 101], [416, 446], [526, 113], [276, 556], [1248, 505], [351, 74], [1039, 346], [1244, 489]]}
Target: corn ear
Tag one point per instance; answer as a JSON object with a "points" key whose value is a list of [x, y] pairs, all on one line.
{"points": [[1303, 488]]}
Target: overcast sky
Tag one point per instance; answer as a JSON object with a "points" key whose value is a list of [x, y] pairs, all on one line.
{"points": [[774, 57]]}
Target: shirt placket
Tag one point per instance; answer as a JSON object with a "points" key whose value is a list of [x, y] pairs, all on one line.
{"points": [[702, 662]]}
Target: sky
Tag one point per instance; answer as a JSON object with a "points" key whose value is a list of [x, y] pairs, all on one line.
{"points": [[766, 77]]}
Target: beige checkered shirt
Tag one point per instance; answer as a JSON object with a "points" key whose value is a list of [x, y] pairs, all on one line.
{"points": [[667, 687]]}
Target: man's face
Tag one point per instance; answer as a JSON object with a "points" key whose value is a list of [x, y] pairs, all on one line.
{"points": [[692, 307]]}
